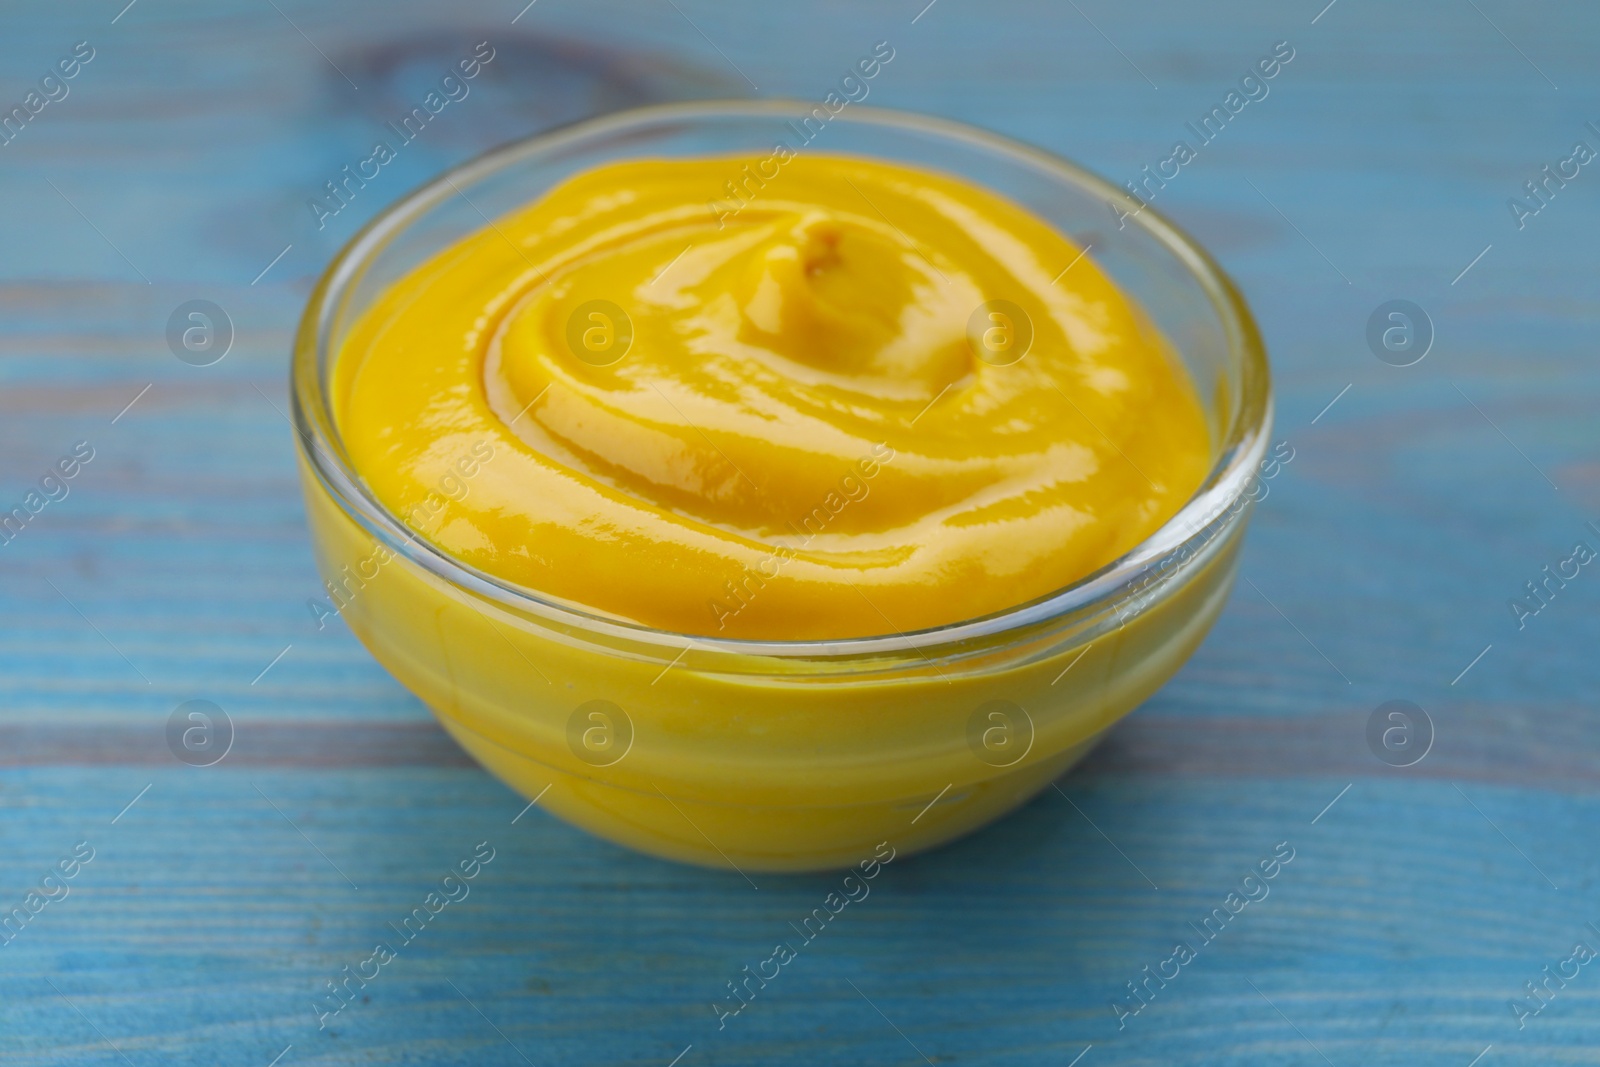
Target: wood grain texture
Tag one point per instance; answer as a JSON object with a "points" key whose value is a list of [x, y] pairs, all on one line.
{"points": [[220, 902]]}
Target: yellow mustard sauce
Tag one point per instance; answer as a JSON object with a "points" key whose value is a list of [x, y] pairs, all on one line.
{"points": [[872, 399]]}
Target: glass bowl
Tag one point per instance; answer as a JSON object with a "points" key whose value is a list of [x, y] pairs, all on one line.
{"points": [[784, 755]]}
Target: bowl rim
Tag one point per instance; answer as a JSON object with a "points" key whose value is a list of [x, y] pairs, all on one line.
{"points": [[1242, 446]]}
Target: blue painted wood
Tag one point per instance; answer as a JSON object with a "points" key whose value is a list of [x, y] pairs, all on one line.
{"points": [[221, 901]]}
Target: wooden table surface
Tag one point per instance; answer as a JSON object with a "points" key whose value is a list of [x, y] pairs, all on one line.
{"points": [[219, 901]]}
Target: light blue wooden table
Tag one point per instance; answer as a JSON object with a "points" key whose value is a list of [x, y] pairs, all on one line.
{"points": [[219, 901]]}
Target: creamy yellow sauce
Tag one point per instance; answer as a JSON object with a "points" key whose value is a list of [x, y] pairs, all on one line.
{"points": [[872, 399]]}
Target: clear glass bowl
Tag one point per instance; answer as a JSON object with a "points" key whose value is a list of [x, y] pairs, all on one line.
{"points": [[777, 755]]}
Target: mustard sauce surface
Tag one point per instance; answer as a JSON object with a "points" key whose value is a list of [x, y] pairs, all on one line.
{"points": [[875, 399]]}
